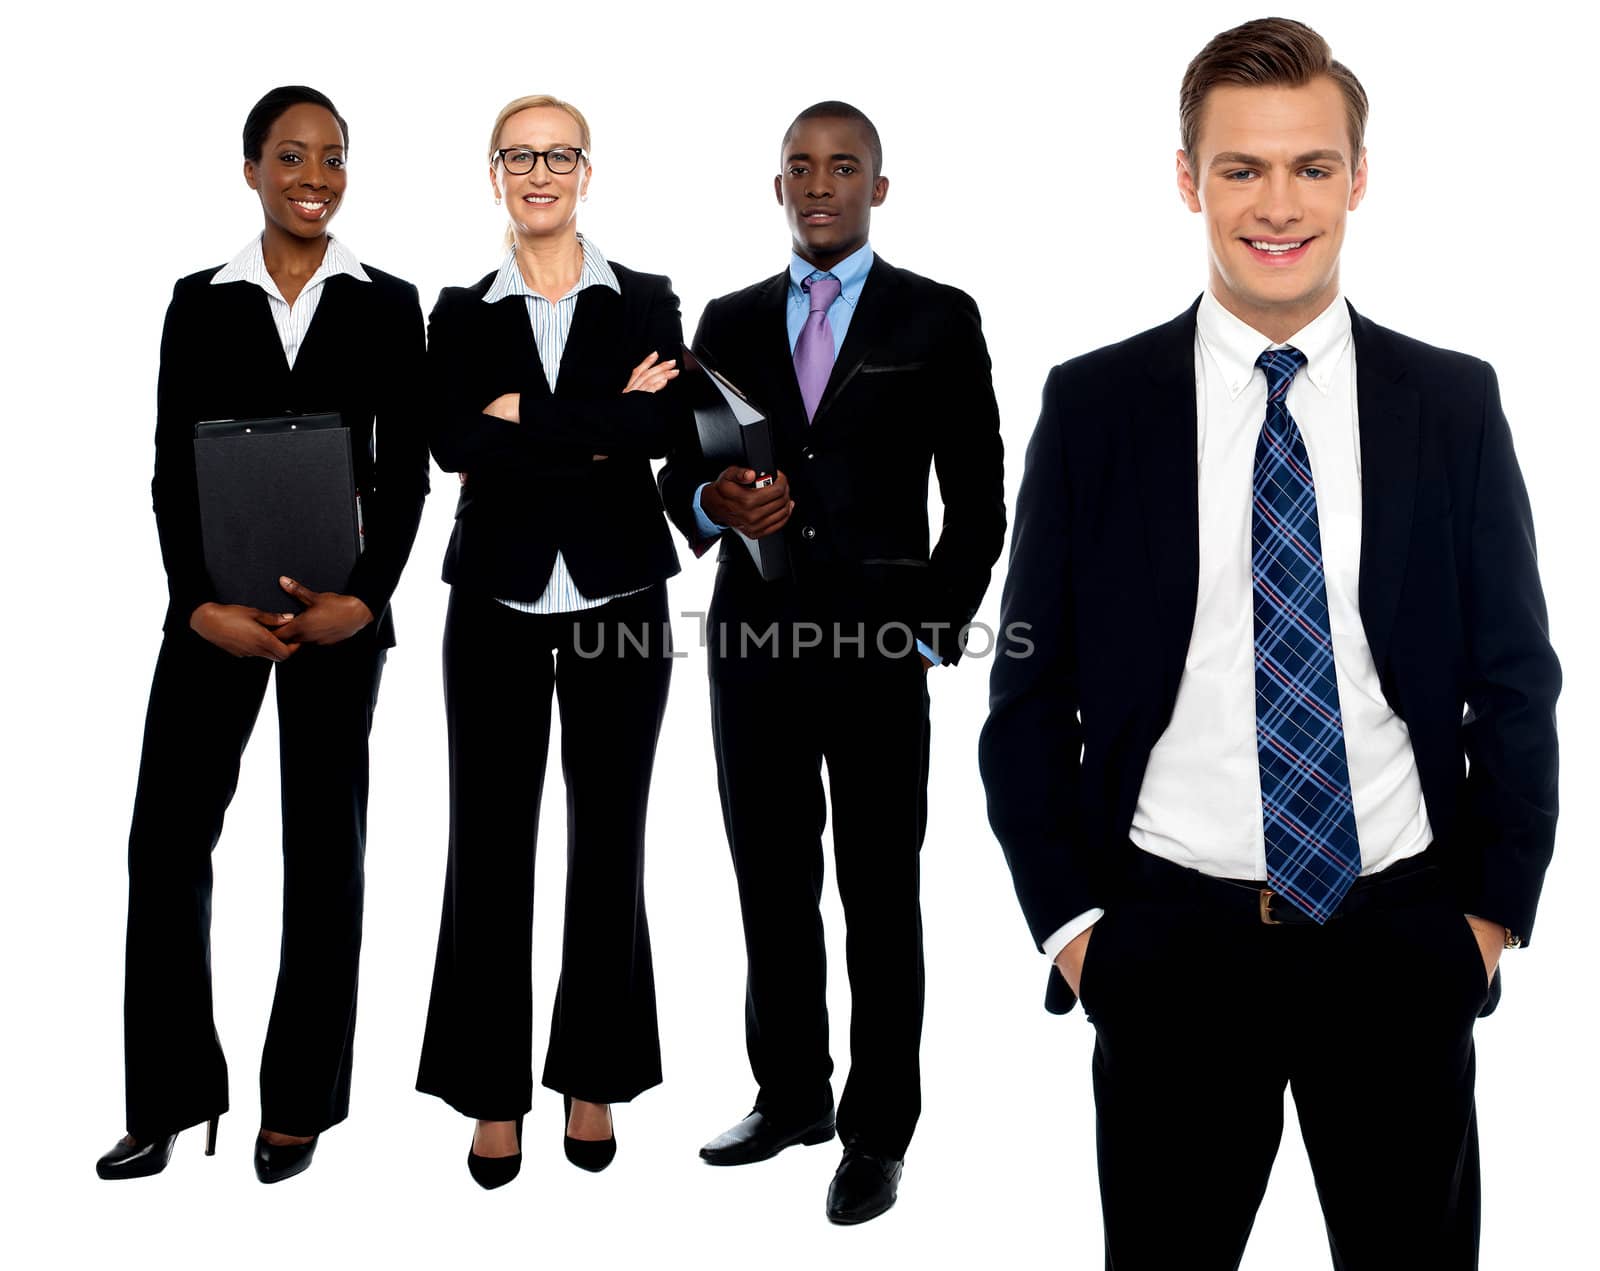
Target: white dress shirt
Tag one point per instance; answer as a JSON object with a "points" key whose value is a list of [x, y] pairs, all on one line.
{"points": [[1200, 803], [292, 320], [551, 321]]}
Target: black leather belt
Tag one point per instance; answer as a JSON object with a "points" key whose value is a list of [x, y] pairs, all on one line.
{"points": [[1414, 878]]}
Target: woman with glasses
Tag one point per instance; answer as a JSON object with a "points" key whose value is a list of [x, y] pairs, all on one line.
{"points": [[547, 379], [294, 324]]}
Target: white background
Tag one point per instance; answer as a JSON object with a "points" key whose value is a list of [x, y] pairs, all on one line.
{"points": [[1031, 153]]}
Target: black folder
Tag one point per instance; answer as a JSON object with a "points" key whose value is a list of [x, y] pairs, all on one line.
{"points": [[733, 431], [277, 496]]}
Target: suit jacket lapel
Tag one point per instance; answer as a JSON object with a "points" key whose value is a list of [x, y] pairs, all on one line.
{"points": [[514, 335], [1387, 410], [775, 389], [1164, 429], [873, 312], [595, 334], [255, 317], [333, 311], [244, 307]]}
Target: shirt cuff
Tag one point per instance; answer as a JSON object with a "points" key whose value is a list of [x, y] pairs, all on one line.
{"points": [[707, 527], [929, 654], [1063, 936], [1512, 940]]}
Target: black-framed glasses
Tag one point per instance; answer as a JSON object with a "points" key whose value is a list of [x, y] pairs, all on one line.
{"points": [[519, 160]]}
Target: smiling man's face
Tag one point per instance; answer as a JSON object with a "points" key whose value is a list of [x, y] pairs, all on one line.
{"points": [[1274, 176]]}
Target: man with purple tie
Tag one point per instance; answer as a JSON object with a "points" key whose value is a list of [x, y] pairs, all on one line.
{"points": [[870, 375], [1276, 772]]}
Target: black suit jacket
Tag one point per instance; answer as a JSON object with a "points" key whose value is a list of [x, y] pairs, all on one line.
{"points": [[535, 487], [910, 388], [221, 359], [1104, 570]]}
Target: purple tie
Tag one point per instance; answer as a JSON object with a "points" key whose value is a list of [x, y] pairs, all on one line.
{"points": [[813, 351]]}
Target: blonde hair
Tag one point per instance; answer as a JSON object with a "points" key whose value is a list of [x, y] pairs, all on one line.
{"points": [[533, 102]]}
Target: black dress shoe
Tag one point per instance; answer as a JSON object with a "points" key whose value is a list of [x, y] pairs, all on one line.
{"points": [[590, 1154], [129, 1159], [863, 1186], [490, 1172], [760, 1137], [278, 1161]]}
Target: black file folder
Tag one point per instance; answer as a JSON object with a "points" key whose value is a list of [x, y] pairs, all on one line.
{"points": [[277, 496], [733, 431]]}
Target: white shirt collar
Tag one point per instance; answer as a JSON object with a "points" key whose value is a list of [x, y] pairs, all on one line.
{"points": [[250, 265], [1234, 345], [597, 272]]}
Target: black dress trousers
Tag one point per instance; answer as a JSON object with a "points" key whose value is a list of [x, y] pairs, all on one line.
{"points": [[203, 706], [609, 668], [1204, 1015], [801, 677]]}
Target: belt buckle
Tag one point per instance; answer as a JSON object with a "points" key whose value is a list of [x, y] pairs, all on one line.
{"points": [[1265, 897]]}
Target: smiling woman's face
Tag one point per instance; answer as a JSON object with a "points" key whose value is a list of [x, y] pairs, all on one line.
{"points": [[542, 204], [300, 176]]}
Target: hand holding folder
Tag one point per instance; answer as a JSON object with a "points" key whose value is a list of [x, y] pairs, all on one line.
{"points": [[733, 432]]}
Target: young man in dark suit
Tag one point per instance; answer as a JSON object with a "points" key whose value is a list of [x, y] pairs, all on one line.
{"points": [[1276, 770], [869, 374]]}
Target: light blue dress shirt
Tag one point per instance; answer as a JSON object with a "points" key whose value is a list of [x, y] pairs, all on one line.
{"points": [[852, 275]]}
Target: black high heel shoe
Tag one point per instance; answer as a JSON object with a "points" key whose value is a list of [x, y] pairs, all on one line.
{"points": [[490, 1172], [278, 1161], [128, 1159], [590, 1154]]}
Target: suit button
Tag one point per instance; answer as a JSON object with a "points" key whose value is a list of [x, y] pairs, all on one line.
{"points": [[808, 533], [809, 453]]}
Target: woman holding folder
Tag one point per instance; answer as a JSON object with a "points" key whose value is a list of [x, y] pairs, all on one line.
{"points": [[295, 323], [546, 395]]}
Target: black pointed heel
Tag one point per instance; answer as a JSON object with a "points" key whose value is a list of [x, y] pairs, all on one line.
{"points": [[278, 1161], [490, 1172], [128, 1159], [590, 1154]]}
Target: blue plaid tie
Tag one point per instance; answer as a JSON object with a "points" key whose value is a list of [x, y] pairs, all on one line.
{"points": [[1310, 823]]}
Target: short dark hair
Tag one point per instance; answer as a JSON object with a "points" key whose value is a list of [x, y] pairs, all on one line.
{"points": [[1265, 53], [266, 112], [843, 110]]}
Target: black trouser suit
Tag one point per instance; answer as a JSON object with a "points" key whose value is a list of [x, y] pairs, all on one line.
{"points": [[222, 358], [571, 476]]}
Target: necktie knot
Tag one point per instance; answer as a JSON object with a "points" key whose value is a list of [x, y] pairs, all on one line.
{"points": [[1280, 367], [823, 292]]}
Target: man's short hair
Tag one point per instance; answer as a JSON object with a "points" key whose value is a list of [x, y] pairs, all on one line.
{"points": [[1267, 52], [843, 110]]}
